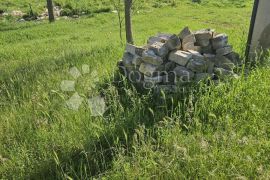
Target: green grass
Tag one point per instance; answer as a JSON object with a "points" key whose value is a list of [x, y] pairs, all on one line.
{"points": [[209, 132]]}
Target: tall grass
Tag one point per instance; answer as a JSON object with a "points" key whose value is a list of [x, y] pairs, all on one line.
{"points": [[205, 132]]}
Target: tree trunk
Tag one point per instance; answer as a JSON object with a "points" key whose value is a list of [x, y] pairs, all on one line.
{"points": [[128, 5], [50, 10]]}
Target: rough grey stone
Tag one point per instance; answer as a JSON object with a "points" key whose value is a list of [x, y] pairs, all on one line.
{"points": [[207, 49], [210, 57], [235, 58], [128, 61], [159, 48], [196, 55], [203, 37], [173, 43], [183, 73], [137, 60], [219, 41], [150, 57], [154, 39], [169, 66], [225, 63], [134, 50], [224, 51], [188, 46], [161, 37], [184, 33], [180, 57], [189, 39], [148, 69], [197, 66]]}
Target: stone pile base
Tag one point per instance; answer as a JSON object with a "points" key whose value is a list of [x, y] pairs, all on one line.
{"points": [[170, 60]]}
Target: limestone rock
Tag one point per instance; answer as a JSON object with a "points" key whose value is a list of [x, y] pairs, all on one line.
{"points": [[154, 39], [137, 60], [197, 66], [203, 37], [180, 57], [196, 55], [127, 60], [188, 46], [135, 50], [173, 43], [184, 33], [225, 63], [210, 61], [225, 50], [219, 41], [159, 49], [150, 57], [235, 58], [189, 39], [169, 66], [148, 69], [183, 73], [207, 49], [161, 37]]}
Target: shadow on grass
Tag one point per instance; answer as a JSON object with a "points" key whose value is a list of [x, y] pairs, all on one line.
{"points": [[96, 158]]}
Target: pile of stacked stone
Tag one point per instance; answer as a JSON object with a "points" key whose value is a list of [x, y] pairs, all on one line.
{"points": [[170, 60]]}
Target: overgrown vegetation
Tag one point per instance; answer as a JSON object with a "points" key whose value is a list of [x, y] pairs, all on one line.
{"points": [[206, 132]]}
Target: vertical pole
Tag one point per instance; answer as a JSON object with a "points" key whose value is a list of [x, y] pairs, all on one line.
{"points": [[128, 5], [50, 10], [251, 29]]}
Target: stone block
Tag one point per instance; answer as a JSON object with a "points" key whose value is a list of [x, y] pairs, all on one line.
{"points": [[219, 41], [150, 57], [188, 46], [207, 49], [169, 66], [180, 57], [210, 62], [196, 55], [134, 50], [189, 39], [154, 39], [164, 36], [203, 37], [197, 66], [173, 43], [225, 63], [137, 60], [127, 60], [235, 58], [210, 57], [159, 49], [148, 69], [224, 51], [183, 74], [184, 33]]}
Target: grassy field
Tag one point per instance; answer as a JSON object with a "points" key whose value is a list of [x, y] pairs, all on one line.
{"points": [[207, 132]]}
